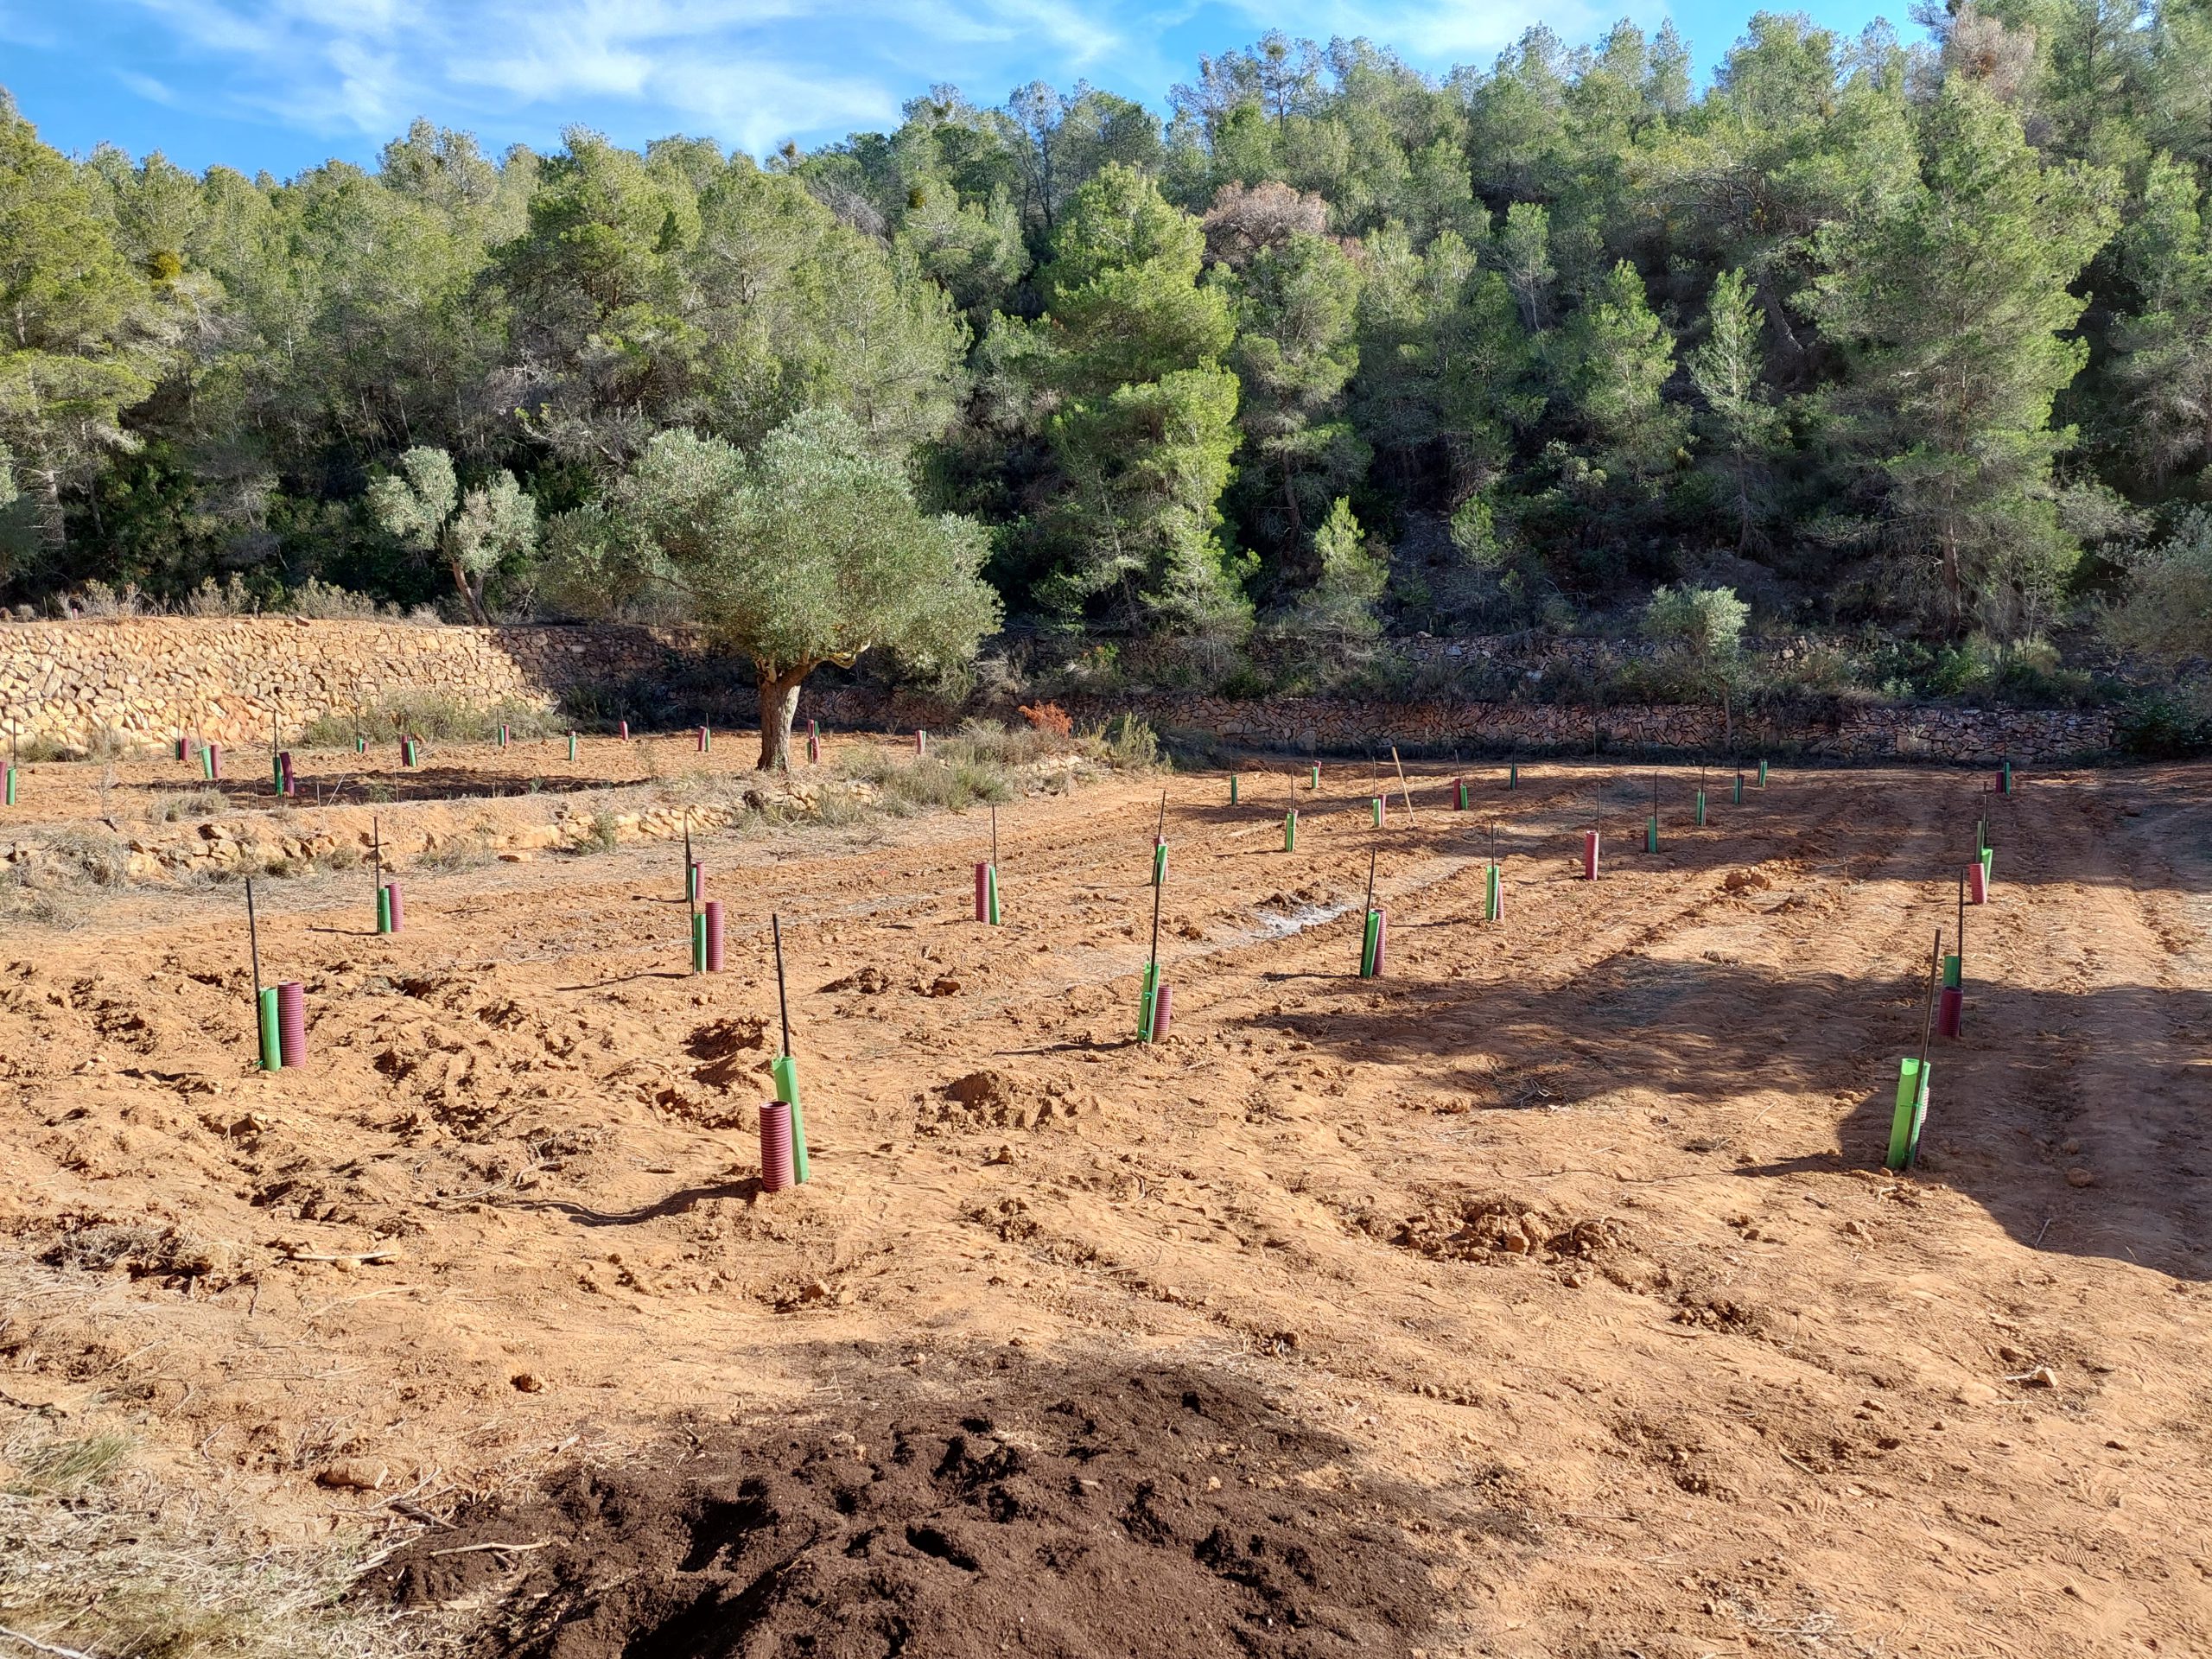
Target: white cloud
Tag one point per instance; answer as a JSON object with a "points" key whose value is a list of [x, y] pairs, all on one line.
{"points": [[748, 72]]}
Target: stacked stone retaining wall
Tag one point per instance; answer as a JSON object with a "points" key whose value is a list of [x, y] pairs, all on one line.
{"points": [[145, 681]]}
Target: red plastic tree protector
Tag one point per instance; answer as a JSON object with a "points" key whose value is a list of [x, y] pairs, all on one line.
{"points": [[983, 891], [776, 1171], [215, 761], [813, 750], [292, 1023], [1163, 1012], [399, 920], [622, 727], [921, 741], [284, 767], [1382, 934], [1977, 885], [714, 936], [1590, 855], [703, 740], [1950, 1012], [184, 748]]}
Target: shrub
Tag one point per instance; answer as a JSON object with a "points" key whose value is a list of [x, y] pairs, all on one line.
{"points": [[326, 603], [198, 804], [2164, 726], [97, 856], [1705, 625], [1126, 741], [1048, 718]]}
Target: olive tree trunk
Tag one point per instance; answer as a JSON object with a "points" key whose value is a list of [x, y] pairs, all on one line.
{"points": [[778, 703]]}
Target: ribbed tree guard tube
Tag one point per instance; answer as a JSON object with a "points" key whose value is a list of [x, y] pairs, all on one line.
{"points": [[1232, 789], [286, 783], [778, 1158], [1459, 794], [712, 918], [622, 730], [1370, 946], [921, 741], [1148, 992], [399, 911], [1163, 1012], [213, 756], [706, 740], [184, 748], [813, 750], [292, 1023], [1290, 830], [1590, 855]]}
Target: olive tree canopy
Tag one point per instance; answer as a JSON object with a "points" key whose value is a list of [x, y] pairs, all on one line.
{"points": [[809, 551]]}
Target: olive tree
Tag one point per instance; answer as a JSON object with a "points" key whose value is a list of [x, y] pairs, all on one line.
{"points": [[423, 506], [810, 550]]}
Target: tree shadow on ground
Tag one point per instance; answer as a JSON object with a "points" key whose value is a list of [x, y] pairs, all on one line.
{"points": [[2114, 1068]]}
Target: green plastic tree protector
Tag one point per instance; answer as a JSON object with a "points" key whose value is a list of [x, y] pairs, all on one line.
{"points": [[1314, 781], [1651, 834], [273, 1047], [785, 1072], [1494, 894], [1145, 990], [1912, 1109], [1951, 975], [1700, 808], [1375, 809], [11, 786], [1367, 945], [698, 942], [1513, 775], [1762, 774], [991, 893], [1290, 832], [1232, 789], [383, 910]]}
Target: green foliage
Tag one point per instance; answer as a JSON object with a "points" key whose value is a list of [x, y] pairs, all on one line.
{"points": [[1145, 423], [811, 549], [475, 534], [1703, 624], [1954, 302], [2166, 610], [1549, 325]]}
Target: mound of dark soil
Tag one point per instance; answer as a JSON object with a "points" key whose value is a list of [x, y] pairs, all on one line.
{"points": [[1156, 1513]]}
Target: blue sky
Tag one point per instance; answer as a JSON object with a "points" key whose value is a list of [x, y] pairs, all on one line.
{"points": [[283, 84]]}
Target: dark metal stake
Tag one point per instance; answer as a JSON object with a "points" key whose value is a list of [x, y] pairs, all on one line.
{"points": [[253, 943], [783, 1002]]}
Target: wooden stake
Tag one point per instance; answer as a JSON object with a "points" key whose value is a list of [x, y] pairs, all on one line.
{"points": [[1402, 790]]}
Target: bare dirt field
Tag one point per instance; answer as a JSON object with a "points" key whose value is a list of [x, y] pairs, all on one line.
{"points": [[1545, 1296]]}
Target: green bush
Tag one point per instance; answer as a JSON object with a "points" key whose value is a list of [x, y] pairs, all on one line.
{"points": [[2164, 726], [1126, 741], [433, 715]]}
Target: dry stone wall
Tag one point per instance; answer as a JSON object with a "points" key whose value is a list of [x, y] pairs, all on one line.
{"points": [[143, 681], [1329, 724], [147, 680]]}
